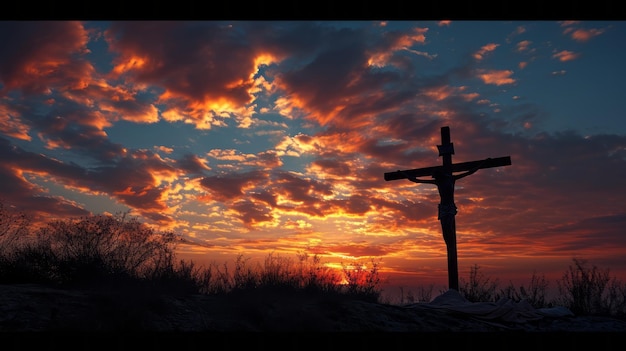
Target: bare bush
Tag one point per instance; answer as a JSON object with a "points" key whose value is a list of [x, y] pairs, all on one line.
{"points": [[278, 271], [315, 276], [423, 294], [478, 288], [534, 293], [244, 277], [583, 287], [96, 246], [363, 281], [615, 298], [14, 228]]}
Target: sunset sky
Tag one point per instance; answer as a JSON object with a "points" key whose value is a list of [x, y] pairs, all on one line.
{"points": [[252, 137]]}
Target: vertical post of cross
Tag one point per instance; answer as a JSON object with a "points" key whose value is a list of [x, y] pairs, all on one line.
{"points": [[448, 225], [446, 149]]}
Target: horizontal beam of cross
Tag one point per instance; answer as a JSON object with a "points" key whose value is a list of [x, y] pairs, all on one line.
{"points": [[456, 167]]}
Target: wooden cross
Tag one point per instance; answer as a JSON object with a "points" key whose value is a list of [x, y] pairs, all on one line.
{"points": [[444, 178]]}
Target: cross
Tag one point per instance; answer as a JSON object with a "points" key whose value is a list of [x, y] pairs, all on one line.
{"points": [[444, 177]]}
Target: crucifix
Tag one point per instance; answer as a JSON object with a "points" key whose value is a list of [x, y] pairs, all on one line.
{"points": [[444, 178]]}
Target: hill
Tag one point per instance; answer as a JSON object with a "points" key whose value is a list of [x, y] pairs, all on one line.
{"points": [[36, 308]]}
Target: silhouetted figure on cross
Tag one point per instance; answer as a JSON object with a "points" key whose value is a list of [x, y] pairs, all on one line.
{"points": [[445, 183], [444, 177]]}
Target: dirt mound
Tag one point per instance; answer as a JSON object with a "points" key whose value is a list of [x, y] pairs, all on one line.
{"points": [[33, 308]]}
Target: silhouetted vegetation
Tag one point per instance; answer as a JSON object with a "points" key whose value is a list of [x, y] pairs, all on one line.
{"points": [[583, 289], [120, 254], [115, 252]]}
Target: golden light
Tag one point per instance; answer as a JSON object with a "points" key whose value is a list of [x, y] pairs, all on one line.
{"points": [[172, 115], [263, 59], [218, 105], [132, 63], [42, 68], [378, 59], [127, 191]]}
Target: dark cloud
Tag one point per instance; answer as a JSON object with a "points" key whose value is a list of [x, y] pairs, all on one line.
{"points": [[252, 213], [38, 54], [74, 129], [295, 188], [333, 166], [229, 187], [357, 250], [131, 180], [190, 163], [268, 160], [359, 205], [183, 57], [266, 197], [26, 196]]}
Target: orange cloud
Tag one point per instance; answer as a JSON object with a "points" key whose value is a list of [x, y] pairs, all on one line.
{"points": [[11, 124], [523, 45], [204, 114], [146, 58], [297, 224], [167, 150], [565, 56], [266, 159], [480, 54], [297, 145], [439, 93], [583, 35], [402, 41], [229, 155], [129, 63], [263, 59], [496, 77]]}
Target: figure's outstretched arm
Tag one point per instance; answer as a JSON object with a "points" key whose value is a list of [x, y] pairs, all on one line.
{"points": [[416, 180], [471, 171]]}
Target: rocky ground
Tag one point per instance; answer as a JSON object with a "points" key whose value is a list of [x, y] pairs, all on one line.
{"points": [[34, 309]]}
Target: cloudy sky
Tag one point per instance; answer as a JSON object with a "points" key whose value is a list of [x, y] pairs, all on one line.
{"points": [[252, 137]]}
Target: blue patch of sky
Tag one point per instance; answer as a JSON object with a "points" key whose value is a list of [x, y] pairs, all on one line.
{"points": [[35, 143], [146, 136], [70, 157], [266, 136], [469, 36], [97, 204], [596, 96], [582, 94], [297, 163], [567, 91], [182, 137], [247, 140], [99, 54]]}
